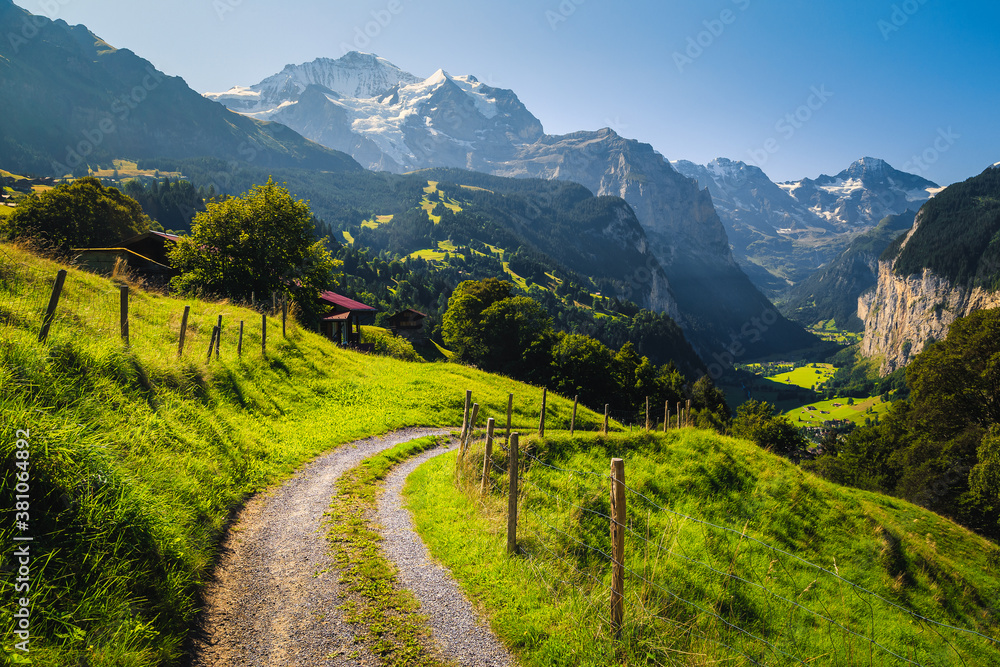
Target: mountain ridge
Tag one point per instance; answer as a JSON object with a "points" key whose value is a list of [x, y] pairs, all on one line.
{"points": [[448, 121]]}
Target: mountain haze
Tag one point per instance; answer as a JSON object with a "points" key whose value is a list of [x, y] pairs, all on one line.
{"points": [[458, 121], [781, 233], [70, 99]]}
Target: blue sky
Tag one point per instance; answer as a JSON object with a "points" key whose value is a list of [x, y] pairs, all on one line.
{"points": [[798, 88]]}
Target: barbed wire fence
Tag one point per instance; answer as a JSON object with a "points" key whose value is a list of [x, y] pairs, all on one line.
{"points": [[41, 300], [701, 588]]}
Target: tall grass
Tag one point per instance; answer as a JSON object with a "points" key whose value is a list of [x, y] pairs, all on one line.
{"points": [[138, 458], [719, 543]]}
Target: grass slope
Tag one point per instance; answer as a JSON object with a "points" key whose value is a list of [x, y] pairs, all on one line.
{"points": [[137, 458], [697, 594]]}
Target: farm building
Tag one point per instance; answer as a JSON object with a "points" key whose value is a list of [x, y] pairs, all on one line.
{"points": [[145, 255], [409, 324], [342, 322]]}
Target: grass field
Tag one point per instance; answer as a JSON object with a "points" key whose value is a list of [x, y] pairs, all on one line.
{"points": [[699, 588], [838, 408], [829, 331], [5, 211], [807, 377], [137, 457]]}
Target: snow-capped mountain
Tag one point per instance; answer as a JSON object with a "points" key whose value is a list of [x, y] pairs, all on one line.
{"points": [[861, 195], [781, 233], [396, 122], [358, 75]]}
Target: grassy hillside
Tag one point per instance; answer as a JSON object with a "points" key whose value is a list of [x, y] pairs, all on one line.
{"points": [[137, 458], [733, 555]]}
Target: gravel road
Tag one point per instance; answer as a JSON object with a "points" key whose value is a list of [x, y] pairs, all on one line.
{"points": [[456, 628], [273, 597]]}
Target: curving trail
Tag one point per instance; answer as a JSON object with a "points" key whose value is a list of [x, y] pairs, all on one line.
{"points": [[273, 597], [274, 593], [457, 630]]}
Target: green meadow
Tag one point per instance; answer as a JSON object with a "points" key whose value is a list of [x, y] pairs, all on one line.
{"points": [[138, 457], [733, 556]]}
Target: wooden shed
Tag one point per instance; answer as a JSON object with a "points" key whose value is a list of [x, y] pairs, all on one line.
{"points": [[342, 322], [409, 324]]}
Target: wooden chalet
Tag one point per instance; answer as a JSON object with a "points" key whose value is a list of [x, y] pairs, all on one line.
{"points": [[342, 323], [409, 324], [144, 254]]}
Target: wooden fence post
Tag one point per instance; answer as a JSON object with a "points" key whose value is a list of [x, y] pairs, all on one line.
{"points": [[239, 345], [472, 426], [666, 416], [184, 328], [606, 406], [263, 333], [687, 418], [572, 424], [648, 425], [541, 420], [211, 344], [512, 497], [465, 416], [618, 523], [218, 339], [50, 312], [510, 412], [284, 316], [680, 413], [124, 312], [488, 459]]}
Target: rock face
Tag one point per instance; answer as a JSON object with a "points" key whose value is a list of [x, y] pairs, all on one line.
{"points": [[903, 314], [450, 121], [945, 268], [780, 233]]}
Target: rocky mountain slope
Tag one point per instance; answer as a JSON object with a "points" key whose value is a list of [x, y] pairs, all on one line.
{"points": [[833, 291], [947, 267], [69, 99], [781, 233], [458, 121]]}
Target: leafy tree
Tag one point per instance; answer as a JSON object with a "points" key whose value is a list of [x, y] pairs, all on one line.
{"points": [[462, 323], [255, 244], [80, 214], [758, 421], [582, 366]]}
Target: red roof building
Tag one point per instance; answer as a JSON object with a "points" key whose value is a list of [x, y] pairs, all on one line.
{"points": [[342, 322]]}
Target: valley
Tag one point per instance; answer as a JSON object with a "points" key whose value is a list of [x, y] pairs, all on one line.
{"points": [[794, 379]]}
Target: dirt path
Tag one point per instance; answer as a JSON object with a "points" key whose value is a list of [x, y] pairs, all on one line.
{"points": [[274, 594], [456, 627]]}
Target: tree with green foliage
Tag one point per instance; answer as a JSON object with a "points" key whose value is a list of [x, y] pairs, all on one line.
{"points": [[259, 243], [81, 214], [462, 323], [758, 421]]}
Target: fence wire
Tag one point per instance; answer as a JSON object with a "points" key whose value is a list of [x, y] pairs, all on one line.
{"points": [[551, 520]]}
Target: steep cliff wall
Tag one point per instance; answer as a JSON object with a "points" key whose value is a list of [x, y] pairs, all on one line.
{"points": [[903, 313]]}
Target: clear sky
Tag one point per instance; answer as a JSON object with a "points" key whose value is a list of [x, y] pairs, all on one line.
{"points": [[799, 88]]}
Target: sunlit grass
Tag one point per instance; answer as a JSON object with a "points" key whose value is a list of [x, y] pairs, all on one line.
{"points": [[555, 612], [139, 457]]}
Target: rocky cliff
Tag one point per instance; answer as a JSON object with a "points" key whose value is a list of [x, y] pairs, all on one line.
{"points": [[904, 313], [945, 268]]}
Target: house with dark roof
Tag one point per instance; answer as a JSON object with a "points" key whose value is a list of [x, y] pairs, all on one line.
{"points": [[144, 254], [409, 324], [343, 319]]}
